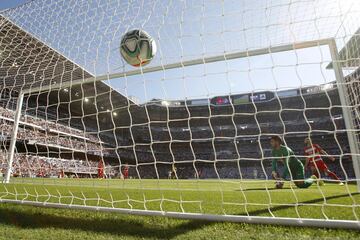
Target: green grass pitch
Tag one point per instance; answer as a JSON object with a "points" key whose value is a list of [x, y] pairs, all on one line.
{"points": [[202, 196]]}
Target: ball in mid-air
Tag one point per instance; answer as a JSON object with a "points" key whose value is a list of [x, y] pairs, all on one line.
{"points": [[137, 47]]}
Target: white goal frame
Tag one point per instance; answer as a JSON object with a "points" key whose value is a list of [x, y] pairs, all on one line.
{"points": [[349, 124]]}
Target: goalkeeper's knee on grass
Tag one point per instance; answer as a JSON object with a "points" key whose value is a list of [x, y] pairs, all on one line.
{"points": [[305, 184]]}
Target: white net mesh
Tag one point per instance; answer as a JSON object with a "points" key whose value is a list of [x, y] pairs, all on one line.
{"points": [[190, 132]]}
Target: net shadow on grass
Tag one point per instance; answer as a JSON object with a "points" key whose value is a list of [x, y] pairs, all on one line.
{"points": [[28, 218], [311, 201]]}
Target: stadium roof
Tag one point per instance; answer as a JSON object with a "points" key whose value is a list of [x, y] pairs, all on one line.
{"points": [[26, 62], [350, 54]]}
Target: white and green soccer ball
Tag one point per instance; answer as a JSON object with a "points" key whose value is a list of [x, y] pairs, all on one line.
{"points": [[137, 48]]}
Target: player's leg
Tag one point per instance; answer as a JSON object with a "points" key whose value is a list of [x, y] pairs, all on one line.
{"points": [[305, 183], [333, 176], [100, 173], [314, 171], [298, 175], [327, 172]]}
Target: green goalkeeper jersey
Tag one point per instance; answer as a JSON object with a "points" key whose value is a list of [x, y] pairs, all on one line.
{"points": [[291, 164]]}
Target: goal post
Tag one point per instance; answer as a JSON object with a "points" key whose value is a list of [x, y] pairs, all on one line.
{"points": [[12, 148], [348, 118], [247, 113]]}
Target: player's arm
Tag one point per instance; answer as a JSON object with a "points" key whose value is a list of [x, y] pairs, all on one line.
{"points": [[287, 154], [275, 173], [322, 151], [285, 172], [274, 168], [307, 159]]}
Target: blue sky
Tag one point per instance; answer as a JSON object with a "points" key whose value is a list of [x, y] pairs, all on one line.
{"points": [[89, 32], [11, 3]]}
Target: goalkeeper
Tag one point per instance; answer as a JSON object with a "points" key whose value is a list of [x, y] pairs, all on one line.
{"points": [[292, 165]]}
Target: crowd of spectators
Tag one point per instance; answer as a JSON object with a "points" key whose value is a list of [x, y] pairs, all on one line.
{"points": [[25, 165], [39, 166], [192, 146], [48, 126], [38, 136], [230, 130], [230, 170]]}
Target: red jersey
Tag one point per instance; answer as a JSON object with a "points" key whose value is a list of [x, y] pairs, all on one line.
{"points": [[100, 169], [100, 165], [314, 153], [126, 171]]}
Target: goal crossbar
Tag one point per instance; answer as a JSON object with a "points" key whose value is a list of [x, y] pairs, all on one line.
{"points": [[187, 63]]}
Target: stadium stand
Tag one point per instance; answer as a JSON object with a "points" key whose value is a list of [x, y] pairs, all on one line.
{"points": [[235, 128]]}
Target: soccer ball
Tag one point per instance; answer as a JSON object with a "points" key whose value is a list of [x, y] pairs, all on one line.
{"points": [[279, 184], [137, 47]]}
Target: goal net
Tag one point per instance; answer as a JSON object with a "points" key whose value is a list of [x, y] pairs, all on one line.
{"points": [[248, 112]]}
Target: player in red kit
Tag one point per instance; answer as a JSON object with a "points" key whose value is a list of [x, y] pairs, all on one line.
{"points": [[125, 171], [315, 162], [100, 169]]}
